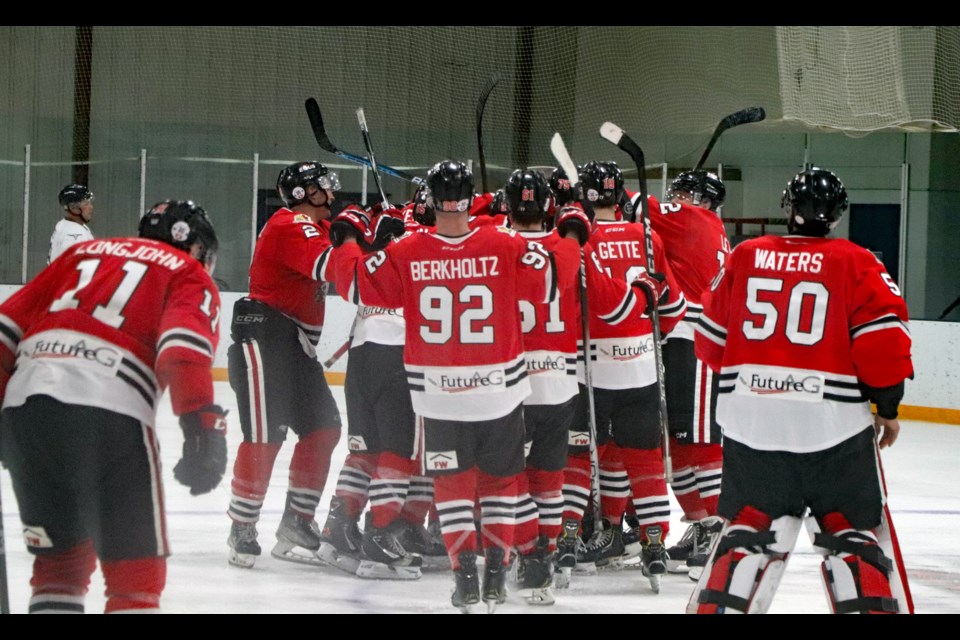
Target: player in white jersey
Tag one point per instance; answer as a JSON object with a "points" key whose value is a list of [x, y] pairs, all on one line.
{"points": [[77, 202], [805, 331]]}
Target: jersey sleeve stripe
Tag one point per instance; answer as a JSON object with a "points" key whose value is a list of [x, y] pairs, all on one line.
{"points": [[623, 309], [674, 310], [10, 333], [890, 321], [179, 334], [711, 331], [320, 268], [185, 342]]}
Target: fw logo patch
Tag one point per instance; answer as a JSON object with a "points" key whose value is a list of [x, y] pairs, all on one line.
{"points": [[442, 460], [356, 443], [578, 438], [37, 538]]}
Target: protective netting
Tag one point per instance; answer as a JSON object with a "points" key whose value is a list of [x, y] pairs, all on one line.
{"points": [[146, 113], [865, 78]]}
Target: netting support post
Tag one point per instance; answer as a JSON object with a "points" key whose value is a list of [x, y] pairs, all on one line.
{"points": [[26, 211], [253, 204], [904, 225], [143, 181]]}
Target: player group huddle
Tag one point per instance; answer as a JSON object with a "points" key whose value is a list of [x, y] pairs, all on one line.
{"points": [[507, 409]]}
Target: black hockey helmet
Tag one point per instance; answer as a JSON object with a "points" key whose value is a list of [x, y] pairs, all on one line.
{"points": [[699, 184], [423, 211], [602, 183], [182, 223], [498, 204], [560, 187], [526, 194], [814, 201], [451, 185], [74, 193], [293, 180]]}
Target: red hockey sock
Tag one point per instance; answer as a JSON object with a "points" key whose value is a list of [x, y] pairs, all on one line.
{"points": [[650, 500], [614, 484], [353, 483], [61, 581], [455, 495], [134, 586], [576, 486], [499, 497], [419, 501], [389, 486], [684, 483], [525, 531], [546, 487], [251, 476]]}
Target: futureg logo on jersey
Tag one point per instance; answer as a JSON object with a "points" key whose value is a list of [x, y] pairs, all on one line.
{"points": [[546, 364], [369, 312], [441, 460], [486, 381], [622, 353], [101, 355], [783, 384]]}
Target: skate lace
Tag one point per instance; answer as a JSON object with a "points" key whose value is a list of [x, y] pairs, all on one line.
{"points": [[690, 537], [245, 533]]}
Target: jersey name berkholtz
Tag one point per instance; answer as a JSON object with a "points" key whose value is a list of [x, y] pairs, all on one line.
{"points": [[784, 261], [456, 268]]}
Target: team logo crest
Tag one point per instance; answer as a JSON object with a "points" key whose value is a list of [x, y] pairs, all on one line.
{"points": [[298, 192], [592, 195], [180, 231]]}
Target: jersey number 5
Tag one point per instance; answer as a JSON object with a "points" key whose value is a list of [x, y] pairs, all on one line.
{"points": [[805, 322]]}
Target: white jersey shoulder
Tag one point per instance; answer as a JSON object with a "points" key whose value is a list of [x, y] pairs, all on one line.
{"points": [[66, 234]]}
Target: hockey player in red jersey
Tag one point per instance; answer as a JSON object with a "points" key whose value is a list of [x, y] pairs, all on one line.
{"points": [[805, 331], [696, 245], [550, 334], [624, 380], [275, 373], [459, 290], [86, 349], [381, 434]]}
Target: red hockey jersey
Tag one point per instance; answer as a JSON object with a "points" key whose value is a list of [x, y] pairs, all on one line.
{"points": [[623, 353], [793, 324], [110, 324], [464, 349], [696, 245], [289, 271]]}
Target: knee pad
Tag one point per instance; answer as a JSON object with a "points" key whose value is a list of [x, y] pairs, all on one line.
{"points": [[746, 565], [855, 570]]}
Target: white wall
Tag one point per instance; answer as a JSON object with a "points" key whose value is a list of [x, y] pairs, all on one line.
{"points": [[936, 350]]}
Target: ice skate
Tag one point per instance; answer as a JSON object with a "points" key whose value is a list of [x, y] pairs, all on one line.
{"points": [[384, 557], [631, 537], [466, 591], [603, 550], [244, 547], [536, 583], [494, 579], [298, 540], [340, 539], [566, 558], [427, 543], [710, 528], [653, 557]]}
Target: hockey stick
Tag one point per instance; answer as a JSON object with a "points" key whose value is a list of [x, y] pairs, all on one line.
{"points": [[332, 360], [4, 593], [320, 133], [362, 119], [481, 105], [559, 150], [744, 116], [616, 135]]}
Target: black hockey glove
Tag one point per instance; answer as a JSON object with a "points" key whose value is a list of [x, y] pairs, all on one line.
{"points": [[654, 288], [351, 221], [386, 228], [573, 218], [204, 458]]}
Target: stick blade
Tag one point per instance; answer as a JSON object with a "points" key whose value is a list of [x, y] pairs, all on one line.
{"points": [[485, 92], [611, 132], [316, 124], [559, 151]]}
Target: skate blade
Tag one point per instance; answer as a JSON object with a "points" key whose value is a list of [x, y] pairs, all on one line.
{"points": [[329, 556], [436, 563], [631, 551], [467, 608], [585, 569], [561, 579], [654, 582], [371, 570], [284, 550], [611, 564], [491, 605], [695, 573], [677, 566], [242, 560], [538, 597]]}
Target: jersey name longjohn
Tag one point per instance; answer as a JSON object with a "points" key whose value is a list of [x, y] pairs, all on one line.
{"points": [[289, 271], [111, 315], [464, 350], [792, 325], [623, 353]]}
